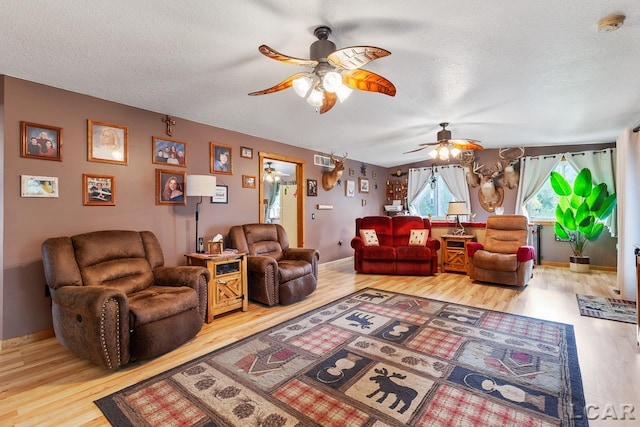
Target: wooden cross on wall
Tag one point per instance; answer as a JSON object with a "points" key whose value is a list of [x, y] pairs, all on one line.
{"points": [[169, 122]]}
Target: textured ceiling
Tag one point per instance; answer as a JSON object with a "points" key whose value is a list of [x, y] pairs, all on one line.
{"points": [[505, 72]]}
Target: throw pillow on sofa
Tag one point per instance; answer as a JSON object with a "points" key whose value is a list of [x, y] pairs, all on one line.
{"points": [[369, 237], [418, 237]]}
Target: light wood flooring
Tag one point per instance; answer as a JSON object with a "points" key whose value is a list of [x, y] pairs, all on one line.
{"points": [[43, 384]]}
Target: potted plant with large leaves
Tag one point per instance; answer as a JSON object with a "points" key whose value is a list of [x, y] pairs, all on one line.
{"points": [[580, 213]]}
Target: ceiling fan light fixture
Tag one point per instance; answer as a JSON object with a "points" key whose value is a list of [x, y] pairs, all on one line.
{"points": [[332, 81], [443, 152], [455, 151], [270, 174], [343, 92], [302, 86], [315, 98]]}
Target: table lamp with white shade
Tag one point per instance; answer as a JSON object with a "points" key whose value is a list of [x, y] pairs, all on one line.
{"points": [[202, 186], [458, 208]]}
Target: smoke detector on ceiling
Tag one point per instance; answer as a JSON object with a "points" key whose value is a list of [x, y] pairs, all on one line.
{"points": [[611, 23]]}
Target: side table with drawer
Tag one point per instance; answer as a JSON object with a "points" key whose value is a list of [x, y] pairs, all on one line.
{"points": [[454, 252], [227, 288]]}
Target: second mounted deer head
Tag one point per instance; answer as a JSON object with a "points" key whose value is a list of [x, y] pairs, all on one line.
{"points": [[509, 158]]}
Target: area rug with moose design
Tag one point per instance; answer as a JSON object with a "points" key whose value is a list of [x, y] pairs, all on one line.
{"points": [[373, 358]]}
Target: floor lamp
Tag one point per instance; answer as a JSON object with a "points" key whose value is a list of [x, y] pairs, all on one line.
{"points": [[200, 186], [457, 209]]}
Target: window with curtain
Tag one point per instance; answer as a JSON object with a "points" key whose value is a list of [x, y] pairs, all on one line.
{"points": [[542, 206], [433, 199], [534, 180]]}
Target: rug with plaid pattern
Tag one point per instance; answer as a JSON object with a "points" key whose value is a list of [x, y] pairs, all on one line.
{"points": [[373, 358]]}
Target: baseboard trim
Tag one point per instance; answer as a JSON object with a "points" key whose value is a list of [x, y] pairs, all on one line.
{"points": [[335, 261], [566, 265], [26, 339]]}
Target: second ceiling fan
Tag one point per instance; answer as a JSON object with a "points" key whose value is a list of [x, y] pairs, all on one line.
{"points": [[335, 72], [445, 147]]}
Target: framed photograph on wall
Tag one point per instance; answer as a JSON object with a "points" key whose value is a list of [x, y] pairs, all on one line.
{"points": [[222, 194], [248, 181], [350, 188], [170, 152], [170, 187], [98, 190], [40, 141], [221, 158], [38, 186], [107, 143], [312, 187], [246, 152], [363, 185]]}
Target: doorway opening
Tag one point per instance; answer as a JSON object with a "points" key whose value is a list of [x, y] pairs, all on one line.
{"points": [[282, 202]]}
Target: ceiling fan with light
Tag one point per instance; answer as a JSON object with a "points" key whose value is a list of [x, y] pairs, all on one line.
{"points": [[446, 147], [334, 74], [272, 175]]}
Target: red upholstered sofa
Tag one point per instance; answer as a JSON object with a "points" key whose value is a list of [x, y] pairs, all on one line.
{"points": [[393, 254]]}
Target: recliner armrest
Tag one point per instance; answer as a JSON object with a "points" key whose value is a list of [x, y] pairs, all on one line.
{"points": [[93, 321], [194, 277], [88, 300], [180, 276], [526, 253], [357, 243], [433, 244], [263, 279], [302, 254], [473, 247], [260, 263]]}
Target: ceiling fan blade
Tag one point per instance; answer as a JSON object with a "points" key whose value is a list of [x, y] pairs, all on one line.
{"points": [[353, 57], [427, 143], [328, 101], [366, 80], [274, 54], [466, 144], [417, 149], [285, 84]]}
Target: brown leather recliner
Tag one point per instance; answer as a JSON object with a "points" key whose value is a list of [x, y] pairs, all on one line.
{"points": [[277, 274], [505, 257], [113, 299]]}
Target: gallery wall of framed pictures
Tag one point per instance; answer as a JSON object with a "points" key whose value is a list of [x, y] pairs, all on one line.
{"points": [[108, 142]]}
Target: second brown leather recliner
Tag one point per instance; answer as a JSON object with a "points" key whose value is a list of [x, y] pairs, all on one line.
{"points": [[277, 273]]}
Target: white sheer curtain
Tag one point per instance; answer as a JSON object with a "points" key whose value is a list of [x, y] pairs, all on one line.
{"points": [[418, 178], [534, 172], [455, 178], [628, 176], [602, 164]]}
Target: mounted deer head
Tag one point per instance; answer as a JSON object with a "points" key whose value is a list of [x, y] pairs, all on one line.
{"points": [[467, 161], [330, 178], [490, 196], [509, 158]]}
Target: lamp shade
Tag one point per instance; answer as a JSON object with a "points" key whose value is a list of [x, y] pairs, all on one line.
{"points": [[201, 185], [457, 208]]}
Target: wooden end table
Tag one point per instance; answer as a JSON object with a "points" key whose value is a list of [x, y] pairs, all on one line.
{"points": [[454, 252], [227, 288]]}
